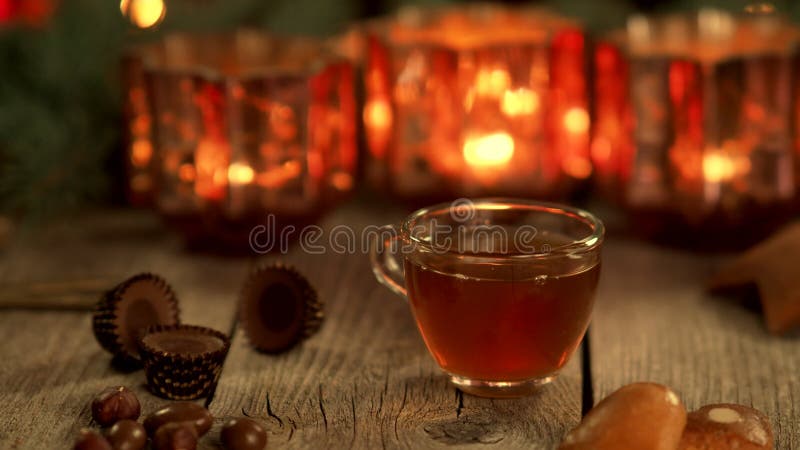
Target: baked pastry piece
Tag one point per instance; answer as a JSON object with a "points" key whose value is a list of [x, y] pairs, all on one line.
{"points": [[639, 416], [771, 267], [726, 426]]}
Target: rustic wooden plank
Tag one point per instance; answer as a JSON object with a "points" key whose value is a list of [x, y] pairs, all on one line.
{"points": [[51, 365], [366, 381], [654, 322]]}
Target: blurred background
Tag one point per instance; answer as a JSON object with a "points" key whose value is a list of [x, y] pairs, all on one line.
{"points": [[60, 91]]}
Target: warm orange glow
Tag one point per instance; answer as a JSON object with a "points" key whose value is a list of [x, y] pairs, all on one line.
{"points": [[378, 114], [342, 181], [760, 8], [492, 83], [576, 120], [141, 152], [239, 173], [141, 183], [718, 167], [143, 13], [186, 173], [211, 168], [520, 102], [140, 125], [279, 176], [577, 167], [489, 150], [601, 149]]}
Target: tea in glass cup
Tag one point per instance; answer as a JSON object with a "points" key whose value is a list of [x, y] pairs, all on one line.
{"points": [[502, 290]]}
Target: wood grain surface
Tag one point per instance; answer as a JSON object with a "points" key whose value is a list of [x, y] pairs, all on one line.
{"points": [[51, 366], [654, 322], [365, 380]]}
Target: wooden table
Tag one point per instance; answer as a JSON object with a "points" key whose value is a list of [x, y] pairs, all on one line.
{"points": [[365, 380]]}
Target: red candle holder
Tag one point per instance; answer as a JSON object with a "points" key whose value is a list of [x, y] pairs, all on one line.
{"points": [[476, 101], [693, 122], [248, 125]]}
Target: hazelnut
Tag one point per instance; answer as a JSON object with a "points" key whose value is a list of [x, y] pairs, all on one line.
{"points": [[114, 404], [91, 440], [242, 433], [179, 412], [175, 436], [127, 435]]}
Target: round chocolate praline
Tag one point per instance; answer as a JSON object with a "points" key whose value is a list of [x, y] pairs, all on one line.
{"points": [[278, 308], [127, 435], [182, 362], [242, 433], [139, 302]]}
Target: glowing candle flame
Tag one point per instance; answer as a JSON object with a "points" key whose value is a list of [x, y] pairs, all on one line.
{"points": [[492, 83], [378, 114], [141, 152], [520, 102], [576, 120], [490, 150], [143, 13], [239, 173], [577, 167], [717, 167]]}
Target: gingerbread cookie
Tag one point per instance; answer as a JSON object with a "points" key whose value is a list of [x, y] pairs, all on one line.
{"points": [[639, 416], [726, 426]]}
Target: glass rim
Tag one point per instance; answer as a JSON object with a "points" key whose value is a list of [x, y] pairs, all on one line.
{"points": [[579, 246]]}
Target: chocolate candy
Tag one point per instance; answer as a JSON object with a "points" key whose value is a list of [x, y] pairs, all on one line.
{"points": [[128, 308], [127, 435], [637, 416], [278, 308], [179, 412], [725, 426], [242, 433], [113, 404], [91, 440], [182, 362], [176, 436]]}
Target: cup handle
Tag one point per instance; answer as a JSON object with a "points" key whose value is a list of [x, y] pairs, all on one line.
{"points": [[385, 265]]}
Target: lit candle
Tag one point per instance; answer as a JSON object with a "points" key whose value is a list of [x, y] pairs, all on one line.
{"points": [[479, 101], [378, 123], [240, 176], [520, 102], [211, 164], [721, 168], [488, 152]]}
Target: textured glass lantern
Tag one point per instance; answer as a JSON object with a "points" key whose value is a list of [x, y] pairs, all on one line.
{"points": [[249, 126], [476, 101], [693, 120]]}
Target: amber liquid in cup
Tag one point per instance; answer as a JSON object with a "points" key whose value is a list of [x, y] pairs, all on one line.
{"points": [[501, 323], [500, 315]]}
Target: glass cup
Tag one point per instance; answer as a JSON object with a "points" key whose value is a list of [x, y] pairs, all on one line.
{"points": [[501, 289]]}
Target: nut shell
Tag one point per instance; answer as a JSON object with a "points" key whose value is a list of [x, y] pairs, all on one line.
{"points": [[139, 302], [278, 308], [114, 404]]}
